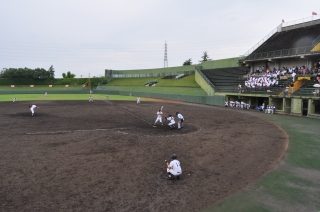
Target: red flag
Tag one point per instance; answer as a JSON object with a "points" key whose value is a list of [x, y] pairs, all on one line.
{"points": [[282, 21], [314, 13]]}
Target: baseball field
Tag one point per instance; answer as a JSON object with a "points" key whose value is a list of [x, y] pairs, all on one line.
{"points": [[106, 156]]}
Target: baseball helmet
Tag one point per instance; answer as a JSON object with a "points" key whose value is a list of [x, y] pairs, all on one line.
{"points": [[174, 156]]}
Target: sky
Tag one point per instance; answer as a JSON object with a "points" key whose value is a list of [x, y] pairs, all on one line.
{"points": [[86, 37]]}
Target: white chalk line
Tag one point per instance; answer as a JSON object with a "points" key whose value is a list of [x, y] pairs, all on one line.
{"points": [[70, 131], [118, 130], [125, 110]]}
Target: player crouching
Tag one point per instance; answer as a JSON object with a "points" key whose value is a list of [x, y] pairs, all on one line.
{"points": [[171, 121], [173, 168], [90, 99]]}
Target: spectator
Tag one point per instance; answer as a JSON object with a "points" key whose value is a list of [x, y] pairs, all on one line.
{"points": [[316, 92], [239, 88], [293, 76]]}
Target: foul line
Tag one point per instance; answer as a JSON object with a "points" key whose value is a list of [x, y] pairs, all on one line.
{"points": [[124, 109], [70, 131], [117, 130]]}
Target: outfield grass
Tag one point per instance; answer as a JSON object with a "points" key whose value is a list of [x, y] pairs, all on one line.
{"points": [[294, 184], [41, 97]]}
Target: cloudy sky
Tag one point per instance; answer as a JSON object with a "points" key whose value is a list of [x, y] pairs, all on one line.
{"points": [[89, 36]]}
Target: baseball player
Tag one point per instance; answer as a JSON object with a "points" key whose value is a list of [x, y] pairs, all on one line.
{"points": [[232, 104], [159, 118], [273, 108], [45, 94], [32, 107], [181, 120], [173, 168], [138, 100], [107, 96], [237, 104], [15, 99], [171, 121], [90, 99]]}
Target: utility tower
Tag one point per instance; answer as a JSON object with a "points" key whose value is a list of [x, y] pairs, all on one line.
{"points": [[165, 56]]}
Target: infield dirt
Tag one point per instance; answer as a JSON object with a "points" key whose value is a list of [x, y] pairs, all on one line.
{"points": [[106, 156]]}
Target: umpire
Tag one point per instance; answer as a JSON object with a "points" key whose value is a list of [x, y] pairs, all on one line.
{"points": [[181, 120]]}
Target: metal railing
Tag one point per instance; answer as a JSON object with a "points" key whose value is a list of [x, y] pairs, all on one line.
{"points": [[205, 78], [303, 22], [316, 41], [308, 21], [261, 42], [281, 53]]}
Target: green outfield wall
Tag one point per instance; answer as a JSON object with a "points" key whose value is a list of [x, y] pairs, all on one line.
{"points": [[72, 91], [223, 63], [156, 72], [209, 100]]}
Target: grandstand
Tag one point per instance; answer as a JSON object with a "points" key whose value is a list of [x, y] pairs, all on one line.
{"points": [[291, 47], [288, 42]]}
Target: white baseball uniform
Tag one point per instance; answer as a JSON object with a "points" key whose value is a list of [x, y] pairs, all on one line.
{"points": [[90, 99], [175, 168], [138, 100], [181, 120], [171, 121], [32, 108], [159, 117]]}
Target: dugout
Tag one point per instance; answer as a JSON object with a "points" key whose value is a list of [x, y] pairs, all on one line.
{"points": [[249, 99], [278, 102], [258, 101], [314, 108]]}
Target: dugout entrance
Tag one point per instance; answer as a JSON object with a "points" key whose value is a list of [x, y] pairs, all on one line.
{"points": [[288, 106]]}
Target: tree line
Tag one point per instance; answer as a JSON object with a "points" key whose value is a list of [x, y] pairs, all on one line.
{"points": [[27, 73], [37, 73]]}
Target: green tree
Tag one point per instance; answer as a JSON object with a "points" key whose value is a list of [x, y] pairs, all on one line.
{"points": [[38, 73], [51, 72], [187, 62], [205, 57], [68, 75]]}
